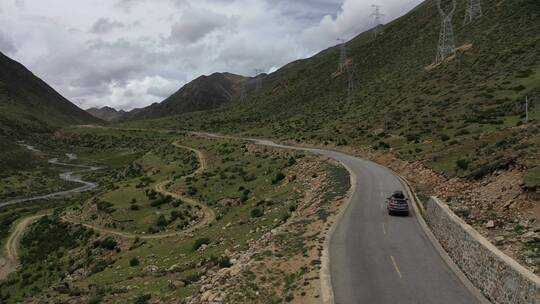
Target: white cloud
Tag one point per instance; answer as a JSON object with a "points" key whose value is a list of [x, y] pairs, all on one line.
{"points": [[133, 93], [354, 17], [195, 24], [130, 53], [104, 26]]}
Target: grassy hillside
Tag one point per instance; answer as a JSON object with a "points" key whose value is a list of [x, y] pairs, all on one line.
{"points": [[29, 105], [463, 117], [203, 93]]}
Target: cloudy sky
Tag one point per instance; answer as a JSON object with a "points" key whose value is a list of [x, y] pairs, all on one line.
{"points": [[131, 53]]}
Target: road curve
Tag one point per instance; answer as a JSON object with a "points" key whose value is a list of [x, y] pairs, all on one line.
{"points": [[8, 264], [375, 258]]}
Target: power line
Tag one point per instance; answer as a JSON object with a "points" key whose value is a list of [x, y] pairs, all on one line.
{"points": [[472, 11], [446, 36]]}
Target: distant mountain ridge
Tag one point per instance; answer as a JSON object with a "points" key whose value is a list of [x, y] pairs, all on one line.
{"points": [[28, 104], [204, 93], [107, 113]]}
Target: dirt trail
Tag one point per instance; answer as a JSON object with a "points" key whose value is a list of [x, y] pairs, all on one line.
{"points": [[209, 215], [8, 263]]}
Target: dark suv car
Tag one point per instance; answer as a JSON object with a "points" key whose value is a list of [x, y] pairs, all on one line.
{"points": [[397, 204]]}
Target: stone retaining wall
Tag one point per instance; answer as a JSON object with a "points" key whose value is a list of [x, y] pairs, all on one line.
{"points": [[500, 278]]}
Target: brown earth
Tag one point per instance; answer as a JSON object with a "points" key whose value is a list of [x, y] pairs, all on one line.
{"points": [[285, 262]]}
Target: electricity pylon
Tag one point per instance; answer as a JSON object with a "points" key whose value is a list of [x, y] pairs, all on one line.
{"points": [[350, 76], [472, 11], [377, 19], [243, 91], [258, 79], [346, 65], [446, 36], [342, 52]]}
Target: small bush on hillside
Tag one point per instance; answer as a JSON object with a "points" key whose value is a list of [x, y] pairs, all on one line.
{"points": [[135, 207], [278, 178], [445, 137], [161, 221], [463, 132], [199, 242], [108, 243], [106, 207], [462, 164], [384, 145], [257, 213], [134, 262], [143, 299], [192, 190], [224, 262]]}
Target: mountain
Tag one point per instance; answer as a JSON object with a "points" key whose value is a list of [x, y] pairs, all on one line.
{"points": [[28, 104], [464, 116], [203, 93], [107, 114]]}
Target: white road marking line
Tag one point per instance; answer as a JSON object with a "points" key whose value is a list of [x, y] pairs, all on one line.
{"points": [[383, 228], [396, 266]]}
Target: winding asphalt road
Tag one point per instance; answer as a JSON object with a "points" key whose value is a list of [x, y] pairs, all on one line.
{"points": [[378, 259]]}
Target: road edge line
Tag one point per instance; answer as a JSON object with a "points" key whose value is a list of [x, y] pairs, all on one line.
{"points": [[438, 247], [327, 290]]}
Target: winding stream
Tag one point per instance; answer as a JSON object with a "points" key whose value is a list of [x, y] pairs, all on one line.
{"points": [[69, 176]]}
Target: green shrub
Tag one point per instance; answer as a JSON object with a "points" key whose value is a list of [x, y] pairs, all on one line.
{"points": [[105, 207], [462, 164], [134, 262], [135, 207], [162, 221], [384, 145], [108, 243], [224, 262], [278, 178], [143, 299], [257, 212], [199, 242]]}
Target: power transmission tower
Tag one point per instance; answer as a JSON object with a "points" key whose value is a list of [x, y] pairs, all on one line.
{"points": [[446, 37], [258, 79], [350, 81], [377, 19], [343, 53], [346, 65], [472, 11], [243, 92]]}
